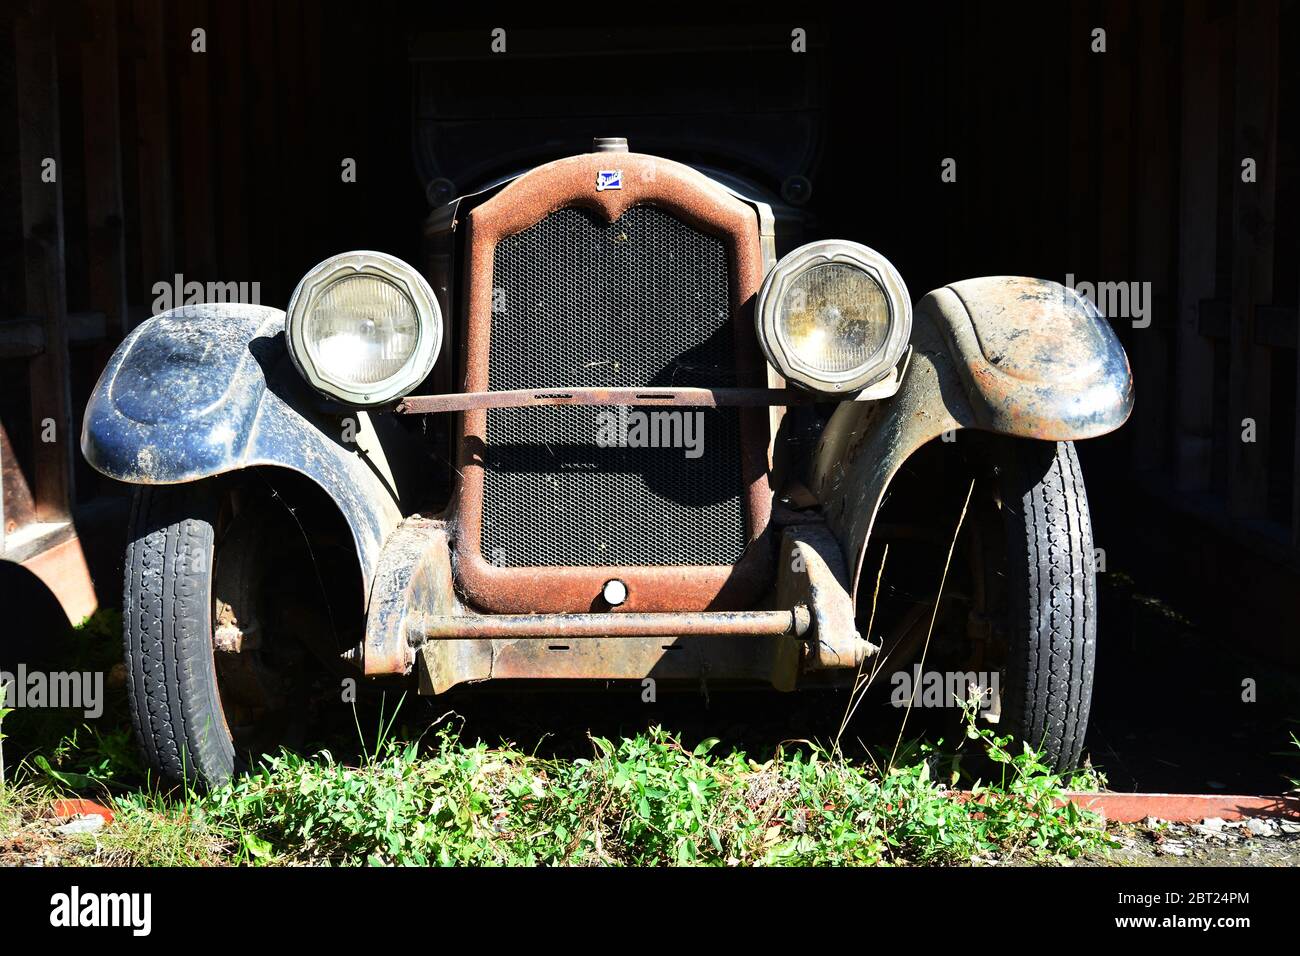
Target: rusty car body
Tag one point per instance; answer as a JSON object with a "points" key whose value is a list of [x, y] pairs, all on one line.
{"points": [[489, 537]]}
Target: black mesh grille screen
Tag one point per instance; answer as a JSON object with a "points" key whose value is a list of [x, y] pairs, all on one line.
{"points": [[643, 301]]}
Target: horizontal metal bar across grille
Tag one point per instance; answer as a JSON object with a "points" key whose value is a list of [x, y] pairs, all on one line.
{"points": [[640, 302]]}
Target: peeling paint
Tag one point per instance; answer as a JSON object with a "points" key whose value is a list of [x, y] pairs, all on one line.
{"points": [[208, 389], [1060, 375]]}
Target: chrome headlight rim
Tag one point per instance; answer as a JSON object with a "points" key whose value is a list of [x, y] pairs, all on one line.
{"points": [[831, 252], [409, 283]]}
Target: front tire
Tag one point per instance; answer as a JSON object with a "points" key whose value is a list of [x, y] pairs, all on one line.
{"points": [[220, 558], [171, 676], [1051, 591]]}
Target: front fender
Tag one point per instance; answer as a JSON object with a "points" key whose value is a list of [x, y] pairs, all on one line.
{"points": [[1017, 356], [208, 389]]}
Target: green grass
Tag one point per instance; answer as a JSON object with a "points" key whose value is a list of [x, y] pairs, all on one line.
{"points": [[640, 801], [152, 829]]}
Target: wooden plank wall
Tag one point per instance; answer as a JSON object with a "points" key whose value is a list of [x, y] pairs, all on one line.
{"points": [[165, 157], [1238, 251], [1199, 172], [39, 159]]}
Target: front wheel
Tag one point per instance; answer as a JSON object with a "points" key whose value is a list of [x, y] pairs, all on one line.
{"points": [[1049, 623], [207, 690]]}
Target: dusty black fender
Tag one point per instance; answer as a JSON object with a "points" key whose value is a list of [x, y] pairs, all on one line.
{"points": [[208, 389], [1005, 354]]}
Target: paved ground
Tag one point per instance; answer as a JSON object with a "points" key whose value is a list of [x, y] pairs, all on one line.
{"points": [[1255, 842]]}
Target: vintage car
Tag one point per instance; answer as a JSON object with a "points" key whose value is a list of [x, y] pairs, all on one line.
{"points": [[606, 435]]}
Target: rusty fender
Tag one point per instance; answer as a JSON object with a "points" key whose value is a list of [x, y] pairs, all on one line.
{"points": [[208, 389], [1004, 354]]}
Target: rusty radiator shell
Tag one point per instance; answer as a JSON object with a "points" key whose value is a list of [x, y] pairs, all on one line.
{"points": [[705, 206]]}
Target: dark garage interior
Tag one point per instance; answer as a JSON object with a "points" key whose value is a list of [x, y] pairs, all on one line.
{"points": [[1127, 165]]}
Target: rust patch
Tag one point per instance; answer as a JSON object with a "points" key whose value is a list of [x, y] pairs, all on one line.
{"points": [[413, 579], [674, 397], [1033, 330], [794, 622], [444, 664], [814, 574]]}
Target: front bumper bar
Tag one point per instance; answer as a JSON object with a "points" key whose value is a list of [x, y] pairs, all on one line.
{"points": [[676, 397], [796, 622], [718, 397], [416, 621]]}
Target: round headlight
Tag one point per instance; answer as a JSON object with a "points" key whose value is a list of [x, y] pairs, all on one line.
{"points": [[364, 328], [833, 316]]}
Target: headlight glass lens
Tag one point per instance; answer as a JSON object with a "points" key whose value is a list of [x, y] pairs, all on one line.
{"points": [[834, 317], [361, 330]]}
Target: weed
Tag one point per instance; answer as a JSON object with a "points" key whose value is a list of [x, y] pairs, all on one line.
{"points": [[4, 712], [642, 801], [153, 828]]}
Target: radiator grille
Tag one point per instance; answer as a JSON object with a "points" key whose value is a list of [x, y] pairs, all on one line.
{"points": [[643, 301]]}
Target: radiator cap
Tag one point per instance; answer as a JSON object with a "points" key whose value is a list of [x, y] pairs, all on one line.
{"points": [[609, 144]]}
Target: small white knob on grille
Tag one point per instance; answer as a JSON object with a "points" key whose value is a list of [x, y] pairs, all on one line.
{"points": [[615, 592]]}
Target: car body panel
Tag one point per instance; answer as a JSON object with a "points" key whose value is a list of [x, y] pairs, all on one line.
{"points": [[1005, 354], [204, 390]]}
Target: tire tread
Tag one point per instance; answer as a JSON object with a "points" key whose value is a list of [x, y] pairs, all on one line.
{"points": [[1052, 597], [171, 680]]}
